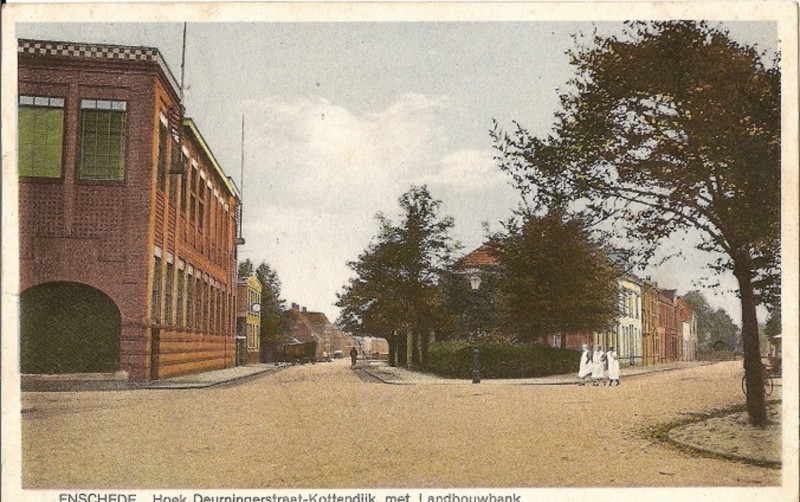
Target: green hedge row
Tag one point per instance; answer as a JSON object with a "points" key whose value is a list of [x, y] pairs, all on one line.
{"points": [[498, 360]]}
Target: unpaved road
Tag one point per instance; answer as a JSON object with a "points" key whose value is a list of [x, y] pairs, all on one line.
{"points": [[324, 426]]}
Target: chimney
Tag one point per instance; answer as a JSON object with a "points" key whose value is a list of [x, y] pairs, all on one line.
{"points": [[305, 309]]}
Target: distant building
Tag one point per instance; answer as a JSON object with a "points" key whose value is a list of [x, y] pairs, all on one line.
{"points": [[688, 323], [127, 222], [650, 311], [248, 320], [629, 343], [373, 347], [669, 327], [313, 328]]}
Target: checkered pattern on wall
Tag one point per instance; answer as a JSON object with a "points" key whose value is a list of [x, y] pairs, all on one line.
{"points": [[96, 51]]}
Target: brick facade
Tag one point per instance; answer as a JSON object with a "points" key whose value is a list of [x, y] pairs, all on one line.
{"points": [[113, 234], [669, 327]]}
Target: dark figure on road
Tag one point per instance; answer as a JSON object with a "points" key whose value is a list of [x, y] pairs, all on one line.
{"points": [[353, 356]]}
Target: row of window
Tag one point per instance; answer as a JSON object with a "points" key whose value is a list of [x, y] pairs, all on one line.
{"points": [[631, 303], [200, 304], [210, 219], [101, 138]]}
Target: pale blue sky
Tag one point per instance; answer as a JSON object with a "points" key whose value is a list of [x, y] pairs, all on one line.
{"points": [[341, 118]]}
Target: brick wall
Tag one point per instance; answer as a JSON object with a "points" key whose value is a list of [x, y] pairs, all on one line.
{"points": [[103, 233]]}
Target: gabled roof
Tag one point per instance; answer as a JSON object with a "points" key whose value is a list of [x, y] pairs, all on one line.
{"points": [[486, 255], [299, 327]]}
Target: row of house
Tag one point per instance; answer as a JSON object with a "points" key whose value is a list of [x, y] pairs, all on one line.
{"points": [[128, 225], [314, 331], [652, 325]]}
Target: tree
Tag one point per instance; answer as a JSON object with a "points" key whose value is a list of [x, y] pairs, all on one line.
{"points": [[555, 278], [714, 327], [472, 313], [671, 126], [246, 268], [397, 278], [773, 325]]}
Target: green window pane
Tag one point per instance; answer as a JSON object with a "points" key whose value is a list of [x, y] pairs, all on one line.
{"points": [[102, 143], [41, 132]]}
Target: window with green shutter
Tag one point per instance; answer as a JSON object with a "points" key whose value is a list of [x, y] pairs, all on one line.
{"points": [[161, 173], [41, 136], [102, 140]]}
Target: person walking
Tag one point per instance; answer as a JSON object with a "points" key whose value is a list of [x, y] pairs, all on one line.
{"points": [[598, 366], [613, 366], [585, 368], [353, 356]]}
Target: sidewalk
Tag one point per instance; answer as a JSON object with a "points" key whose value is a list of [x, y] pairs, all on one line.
{"points": [[83, 382], [214, 377], [401, 376]]}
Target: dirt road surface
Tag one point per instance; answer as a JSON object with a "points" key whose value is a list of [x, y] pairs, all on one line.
{"points": [[326, 426]]}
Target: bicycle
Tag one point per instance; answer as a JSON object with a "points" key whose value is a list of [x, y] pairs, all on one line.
{"points": [[769, 385]]}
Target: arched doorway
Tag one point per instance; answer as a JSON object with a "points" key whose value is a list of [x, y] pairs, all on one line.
{"points": [[68, 327]]}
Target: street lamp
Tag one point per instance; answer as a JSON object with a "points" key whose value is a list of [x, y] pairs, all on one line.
{"points": [[475, 283]]}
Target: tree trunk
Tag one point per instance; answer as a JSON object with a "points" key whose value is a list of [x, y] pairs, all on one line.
{"points": [[754, 377], [409, 349], [392, 349]]}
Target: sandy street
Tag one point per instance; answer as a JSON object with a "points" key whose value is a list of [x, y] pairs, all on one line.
{"points": [[325, 426]]}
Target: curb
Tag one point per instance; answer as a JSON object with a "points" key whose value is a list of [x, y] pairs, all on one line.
{"points": [[721, 454], [119, 382], [167, 385], [541, 381]]}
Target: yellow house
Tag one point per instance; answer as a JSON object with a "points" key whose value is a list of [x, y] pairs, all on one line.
{"points": [[248, 321], [650, 337]]}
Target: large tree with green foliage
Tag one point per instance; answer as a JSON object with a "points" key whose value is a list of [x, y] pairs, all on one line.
{"points": [[471, 314], [671, 127], [555, 277], [396, 287]]}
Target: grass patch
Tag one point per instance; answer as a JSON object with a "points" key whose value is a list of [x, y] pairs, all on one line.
{"points": [[659, 434]]}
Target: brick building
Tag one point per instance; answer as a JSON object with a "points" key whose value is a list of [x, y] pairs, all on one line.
{"points": [[127, 222], [669, 327]]}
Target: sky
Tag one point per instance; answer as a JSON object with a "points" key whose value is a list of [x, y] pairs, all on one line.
{"points": [[342, 118]]}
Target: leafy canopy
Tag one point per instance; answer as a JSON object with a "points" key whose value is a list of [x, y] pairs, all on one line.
{"points": [[555, 277], [669, 127], [272, 305], [396, 281]]}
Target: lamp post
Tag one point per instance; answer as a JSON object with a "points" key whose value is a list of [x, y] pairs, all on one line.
{"points": [[475, 284]]}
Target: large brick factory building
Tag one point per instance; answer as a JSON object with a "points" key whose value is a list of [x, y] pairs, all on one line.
{"points": [[128, 225]]}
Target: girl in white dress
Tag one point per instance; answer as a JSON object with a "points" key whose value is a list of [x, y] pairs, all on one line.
{"points": [[585, 368], [613, 366], [598, 366]]}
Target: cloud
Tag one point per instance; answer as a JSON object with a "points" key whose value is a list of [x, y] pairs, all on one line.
{"points": [[312, 153], [317, 173], [466, 171]]}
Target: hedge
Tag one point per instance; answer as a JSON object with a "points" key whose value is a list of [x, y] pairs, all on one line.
{"points": [[499, 360]]}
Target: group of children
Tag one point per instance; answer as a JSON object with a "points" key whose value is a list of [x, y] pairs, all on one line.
{"points": [[599, 366]]}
